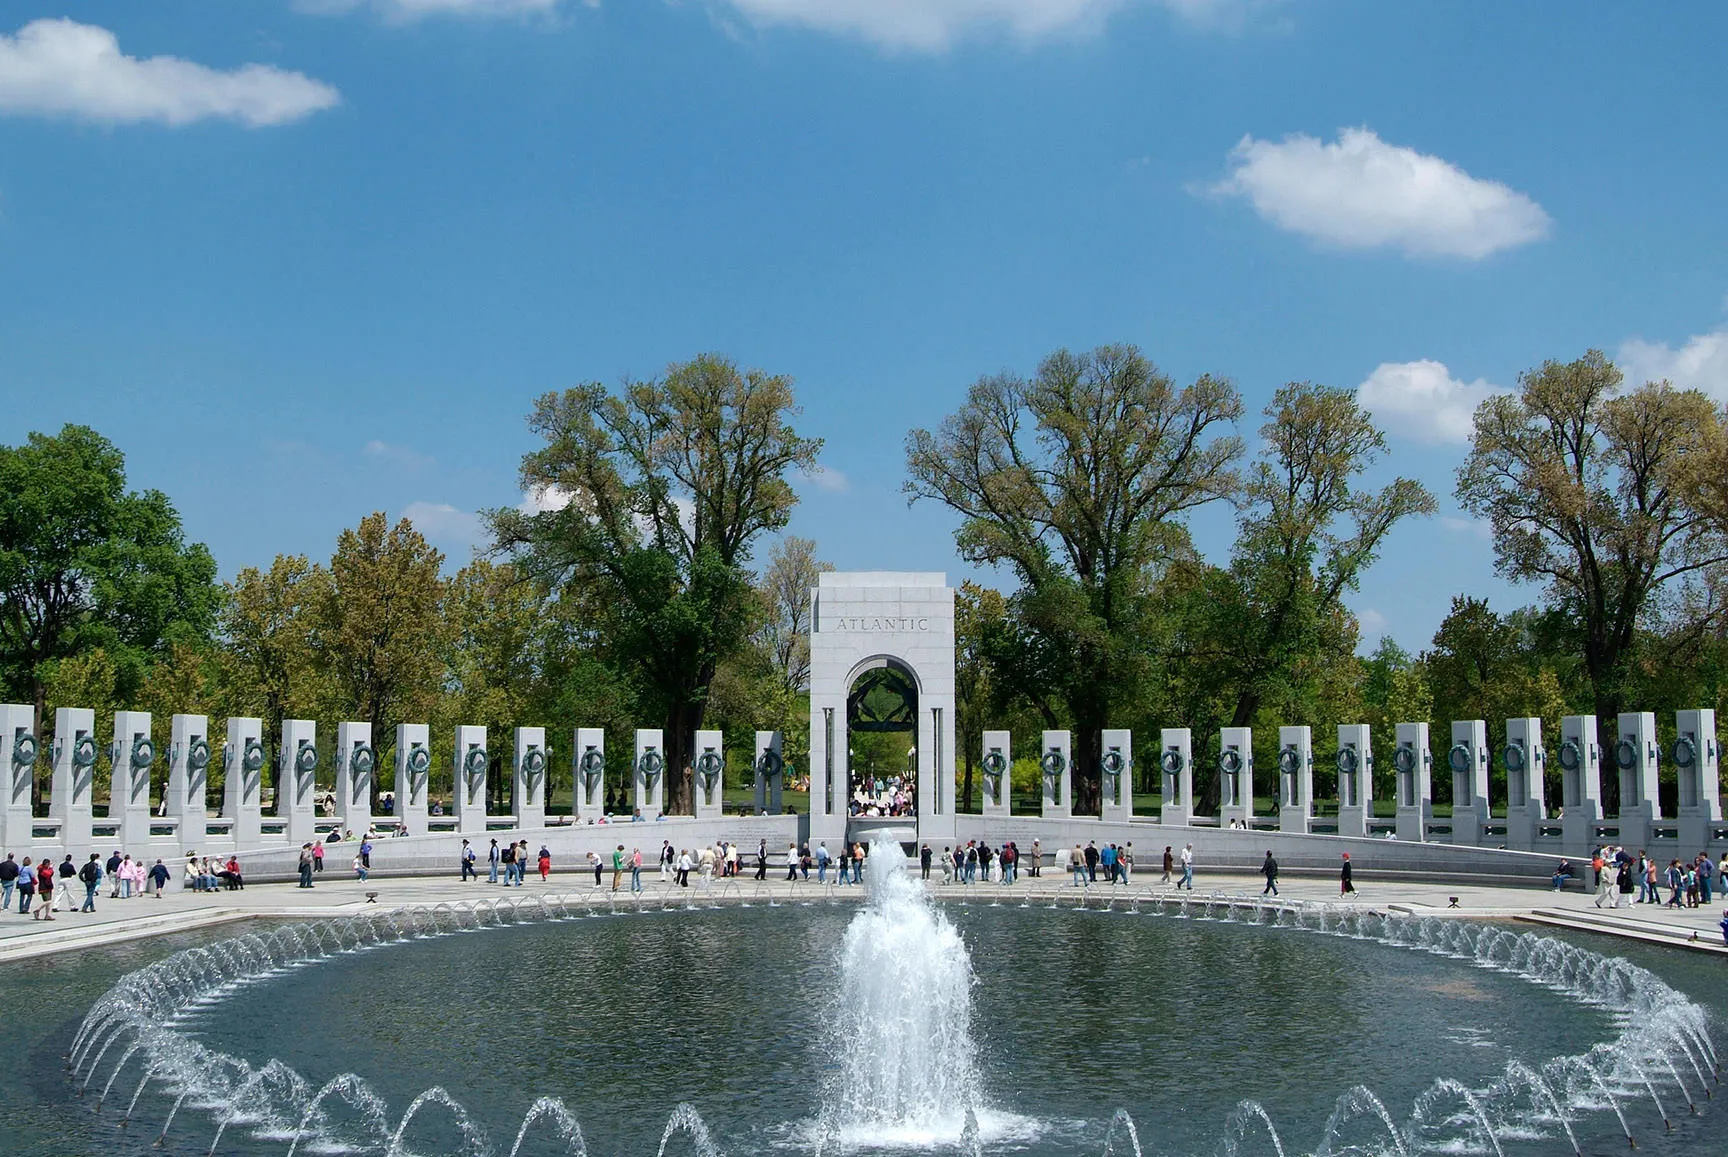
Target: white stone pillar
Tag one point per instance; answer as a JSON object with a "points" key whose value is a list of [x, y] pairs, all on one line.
{"points": [[131, 755], [1697, 765], [469, 764], [297, 781], [1295, 779], [243, 782], [1355, 779], [356, 762], [1235, 775], [1056, 767], [1413, 766], [769, 769], [413, 792], [1468, 759], [1176, 766], [1637, 756], [1526, 764], [710, 774], [1580, 759], [528, 764], [188, 779], [648, 786], [588, 772], [19, 749], [996, 772], [1116, 775], [73, 787]]}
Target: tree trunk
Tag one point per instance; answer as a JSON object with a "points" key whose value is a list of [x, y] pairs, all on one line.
{"points": [[40, 696], [1088, 751]]}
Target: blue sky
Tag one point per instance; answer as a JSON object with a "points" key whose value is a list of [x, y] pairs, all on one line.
{"points": [[304, 260]]}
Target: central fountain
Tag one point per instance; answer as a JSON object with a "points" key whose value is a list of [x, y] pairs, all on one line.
{"points": [[902, 1060], [203, 1052]]}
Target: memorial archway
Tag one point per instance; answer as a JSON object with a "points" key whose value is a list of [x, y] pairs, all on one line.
{"points": [[882, 739], [881, 672]]}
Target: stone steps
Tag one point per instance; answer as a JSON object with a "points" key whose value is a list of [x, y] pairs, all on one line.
{"points": [[1630, 927]]}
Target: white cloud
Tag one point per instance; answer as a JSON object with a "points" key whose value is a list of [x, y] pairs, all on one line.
{"points": [[1371, 621], [408, 10], [543, 499], [826, 478], [1361, 193], [1421, 400], [443, 523], [935, 25], [1473, 526], [401, 457], [63, 68], [1700, 364]]}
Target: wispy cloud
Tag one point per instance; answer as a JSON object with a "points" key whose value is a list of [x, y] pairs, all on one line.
{"points": [[1476, 527], [403, 11], [1422, 401], [401, 457], [826, 478], [63, 68], [446, 525], [937, 25], [1359, 192]]}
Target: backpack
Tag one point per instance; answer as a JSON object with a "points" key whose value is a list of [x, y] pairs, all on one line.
{"points": [[509, 856], [90, 873]]}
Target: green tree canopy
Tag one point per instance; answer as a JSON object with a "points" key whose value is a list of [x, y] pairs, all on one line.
{"points": [[87, 563], [650, 501], [1076, 480], [1593, 493]]}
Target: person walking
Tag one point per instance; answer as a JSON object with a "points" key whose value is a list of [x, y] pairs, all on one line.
{"points": [[1169, 864], [360, 868], [318, 857], [26, 886], [791, 862], [762, 859], [90, 875], [66, 873], [822, 859], [159, 876], [924, 858], [113, 866], [635, 869], [1269, 869], [466, 859], [44, 890], [683, 869], [545, 863], [306, 865], [493, 858], [617, 867], [8, 881], [1077, 863], [668, 858], [1187, 880], [1345, 886]]}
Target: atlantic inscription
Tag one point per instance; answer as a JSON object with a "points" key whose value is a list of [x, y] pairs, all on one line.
{"points": [[880, 623]]}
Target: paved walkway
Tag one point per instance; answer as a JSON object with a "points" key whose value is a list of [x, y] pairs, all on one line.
{"points": [[22, 937]]}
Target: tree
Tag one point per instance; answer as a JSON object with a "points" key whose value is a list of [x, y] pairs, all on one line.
{"points": [[1394, 690], [492, 634], [1076, 481], [380, 624], [1306, 535], [86, 563], [981, 623], [270, 629], [1593, 493], [650, 502], [793, 572]]}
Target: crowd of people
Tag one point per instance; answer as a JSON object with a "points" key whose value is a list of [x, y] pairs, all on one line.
{"points": [[894, 796], [1619, 876], [41, 887]]}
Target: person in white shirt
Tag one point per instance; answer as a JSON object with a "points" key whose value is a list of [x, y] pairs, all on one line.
{"points": [[1187, 880]]}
